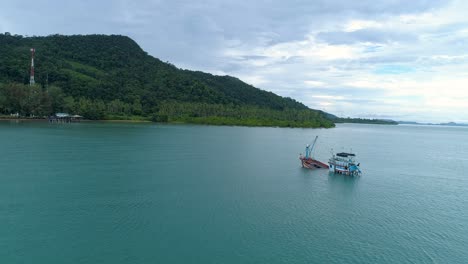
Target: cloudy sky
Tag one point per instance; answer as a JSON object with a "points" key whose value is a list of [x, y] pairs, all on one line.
{"points": [[405, 60]]}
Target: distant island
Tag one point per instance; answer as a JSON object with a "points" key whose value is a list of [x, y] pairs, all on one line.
{"points": [[366, 121], [432, 124], [103, 77]]}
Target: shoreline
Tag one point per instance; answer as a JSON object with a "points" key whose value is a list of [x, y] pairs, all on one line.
{"points": [[171, 122], [178, 122], [83, 120], [23, 119]]}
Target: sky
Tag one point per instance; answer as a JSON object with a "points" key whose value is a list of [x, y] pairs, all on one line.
{"points": [[391, 59]]}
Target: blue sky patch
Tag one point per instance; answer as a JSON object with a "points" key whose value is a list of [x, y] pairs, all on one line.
{"points": [[393, 69]]}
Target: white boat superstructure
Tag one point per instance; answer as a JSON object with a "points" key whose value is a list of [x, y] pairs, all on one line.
{"points": [[344, 163]]}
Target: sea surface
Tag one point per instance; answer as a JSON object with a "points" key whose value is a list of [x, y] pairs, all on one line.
{"points": [[149, 193]]}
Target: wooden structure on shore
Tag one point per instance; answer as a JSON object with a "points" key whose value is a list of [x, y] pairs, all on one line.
{"points": [[64, 118]]}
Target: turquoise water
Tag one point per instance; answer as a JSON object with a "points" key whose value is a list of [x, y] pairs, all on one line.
{"points": [[145, 193]]}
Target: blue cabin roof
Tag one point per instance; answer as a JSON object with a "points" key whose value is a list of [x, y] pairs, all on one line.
{"points": [[345, 155]]}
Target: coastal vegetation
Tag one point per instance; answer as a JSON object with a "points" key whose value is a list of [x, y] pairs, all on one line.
{"points": [[111, 77]]}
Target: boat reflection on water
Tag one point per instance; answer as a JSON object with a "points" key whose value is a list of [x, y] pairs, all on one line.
{"points": [[342, 184]]}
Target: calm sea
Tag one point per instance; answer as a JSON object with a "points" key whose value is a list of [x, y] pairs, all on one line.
{"points": [[147, 193]]}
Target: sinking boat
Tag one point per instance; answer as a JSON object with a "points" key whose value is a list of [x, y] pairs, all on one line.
{"points": [[308, 161], [344, 163]]}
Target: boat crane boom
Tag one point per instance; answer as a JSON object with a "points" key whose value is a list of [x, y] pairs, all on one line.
{"points": [[313, 144]]}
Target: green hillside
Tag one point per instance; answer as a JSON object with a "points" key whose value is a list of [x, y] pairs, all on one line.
{"points": [[111, 77]]}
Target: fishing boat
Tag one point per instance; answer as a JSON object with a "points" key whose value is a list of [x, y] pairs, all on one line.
{"points": [[308, 160], [344, 163]]}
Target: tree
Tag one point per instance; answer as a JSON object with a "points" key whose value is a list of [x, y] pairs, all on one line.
{"points": [[137, 108], [56, 97], [69, 105]]}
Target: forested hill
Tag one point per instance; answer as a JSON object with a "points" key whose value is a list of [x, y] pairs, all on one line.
{"points": [[102, 76]]}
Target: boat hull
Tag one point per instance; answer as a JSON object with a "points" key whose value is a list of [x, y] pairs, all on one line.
{"points": [[310, 163], [351, 170]]}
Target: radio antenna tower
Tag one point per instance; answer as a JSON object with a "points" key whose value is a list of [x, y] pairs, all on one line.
{"points": [[31, 77]]}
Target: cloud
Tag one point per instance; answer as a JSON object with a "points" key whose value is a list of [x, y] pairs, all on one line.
{"points": [[370, 35], [355, 25]]}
